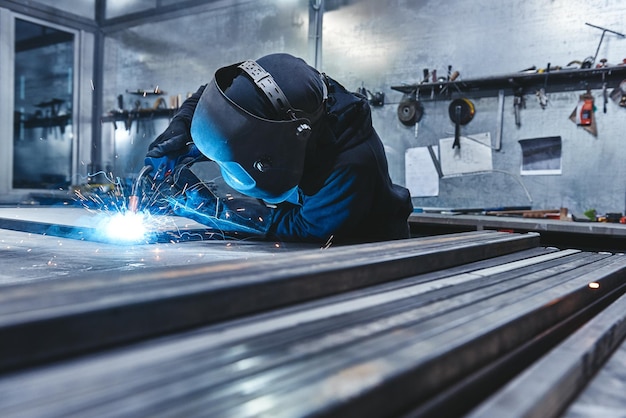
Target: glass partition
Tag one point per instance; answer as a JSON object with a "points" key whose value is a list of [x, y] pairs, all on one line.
{"points": [[44, 80], [84, 8], [117, 8]]}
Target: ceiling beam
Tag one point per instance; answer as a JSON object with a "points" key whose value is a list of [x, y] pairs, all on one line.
{"points": [[161, 13], [40, 11]]}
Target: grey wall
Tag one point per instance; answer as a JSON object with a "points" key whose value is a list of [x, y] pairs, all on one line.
{"points": [[380, 43]]}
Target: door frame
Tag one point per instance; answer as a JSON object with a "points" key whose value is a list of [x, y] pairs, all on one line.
{"points": [[81, 106]]}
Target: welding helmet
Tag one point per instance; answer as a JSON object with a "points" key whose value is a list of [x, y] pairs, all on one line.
{"points": [[254, 121]]}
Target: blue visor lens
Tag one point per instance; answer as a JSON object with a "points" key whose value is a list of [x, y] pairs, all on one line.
{"points": [[236, 177]]}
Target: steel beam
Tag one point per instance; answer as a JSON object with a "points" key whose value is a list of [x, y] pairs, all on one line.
{"points": [[86, 312]]}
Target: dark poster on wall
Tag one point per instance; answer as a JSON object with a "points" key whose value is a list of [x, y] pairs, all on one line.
{"points": [[541, 156]]}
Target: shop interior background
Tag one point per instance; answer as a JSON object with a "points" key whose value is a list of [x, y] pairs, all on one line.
{"points": [[94, 56]]}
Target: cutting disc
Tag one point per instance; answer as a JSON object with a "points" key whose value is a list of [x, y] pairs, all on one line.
{"points": [[410, 111]]}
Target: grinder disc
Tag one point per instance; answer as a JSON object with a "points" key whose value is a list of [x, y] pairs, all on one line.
{"points": [[410, 111]]}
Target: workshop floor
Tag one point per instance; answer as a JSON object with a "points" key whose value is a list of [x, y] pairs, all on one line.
{"points": [[28, 256]]}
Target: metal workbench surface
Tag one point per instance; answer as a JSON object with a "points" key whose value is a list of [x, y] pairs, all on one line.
{"points": [[479, 222], [597, 236]]}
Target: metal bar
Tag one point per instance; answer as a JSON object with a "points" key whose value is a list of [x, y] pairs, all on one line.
{"points": [[316, 18], [521, 224], [545, 389], [88, 312], [604, 394]]}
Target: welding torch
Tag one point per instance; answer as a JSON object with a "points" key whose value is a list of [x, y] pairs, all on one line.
{"points": [[133, 199], [165, 167]]}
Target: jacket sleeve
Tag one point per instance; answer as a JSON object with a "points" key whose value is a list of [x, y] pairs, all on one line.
{"points": [[341, 204]]}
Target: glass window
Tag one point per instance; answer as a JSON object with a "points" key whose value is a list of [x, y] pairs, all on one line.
{"points": [[84, 8], [116, 8], [44, 79]]}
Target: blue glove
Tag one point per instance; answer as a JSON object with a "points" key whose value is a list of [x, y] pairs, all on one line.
{"points": [[231, 216], [164, 166], [172, 142], [173, 148]]}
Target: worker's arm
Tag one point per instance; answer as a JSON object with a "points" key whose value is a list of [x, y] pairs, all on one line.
{"points": [[336, 210]]}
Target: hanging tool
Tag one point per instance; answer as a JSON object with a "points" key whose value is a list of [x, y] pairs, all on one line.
{"points": [[583, 114], [604, 31], [461, 112], [519, 103], [432, 88], [541, 93], [500, 121], [376, 99], [605, 93], [410, 110], [618, 95], [585, 111]]}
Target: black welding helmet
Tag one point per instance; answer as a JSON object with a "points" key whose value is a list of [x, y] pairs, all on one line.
{"points": [[254, 121]]}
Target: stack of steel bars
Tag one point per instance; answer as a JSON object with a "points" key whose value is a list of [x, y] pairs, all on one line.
{"points": [[482, 323]]}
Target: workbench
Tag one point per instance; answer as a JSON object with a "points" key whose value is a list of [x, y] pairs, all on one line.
{"points": [[478, 324], [598, 236]]}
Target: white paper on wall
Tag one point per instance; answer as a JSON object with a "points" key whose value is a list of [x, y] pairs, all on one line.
{"points": [[475, 154], [421, 177]]}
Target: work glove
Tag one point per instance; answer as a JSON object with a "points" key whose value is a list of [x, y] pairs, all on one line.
{"points": [[173, 148], [226, 212]]}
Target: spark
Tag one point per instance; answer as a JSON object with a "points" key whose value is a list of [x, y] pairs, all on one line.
{"points": [[120, 221], [328, 243]]}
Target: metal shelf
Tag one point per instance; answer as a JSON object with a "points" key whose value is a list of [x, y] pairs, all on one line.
{"points": [[553, 81]]}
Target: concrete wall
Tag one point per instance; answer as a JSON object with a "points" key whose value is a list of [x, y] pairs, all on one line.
{"points": [[380, 43]]}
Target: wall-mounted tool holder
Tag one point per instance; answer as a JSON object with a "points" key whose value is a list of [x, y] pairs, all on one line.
{"points": [[551, 81], [129, 116]]}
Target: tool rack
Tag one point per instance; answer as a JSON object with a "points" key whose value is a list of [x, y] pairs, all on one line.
{"points": [[561, 80]]}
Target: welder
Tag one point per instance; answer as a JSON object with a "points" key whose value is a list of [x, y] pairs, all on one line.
{"points": [[297, 144]]}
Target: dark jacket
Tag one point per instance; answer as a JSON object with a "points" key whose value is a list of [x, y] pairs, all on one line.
{"points": [[345, 191]]}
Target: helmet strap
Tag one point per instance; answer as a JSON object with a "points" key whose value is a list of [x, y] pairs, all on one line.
{"points": [[265, 82]]}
